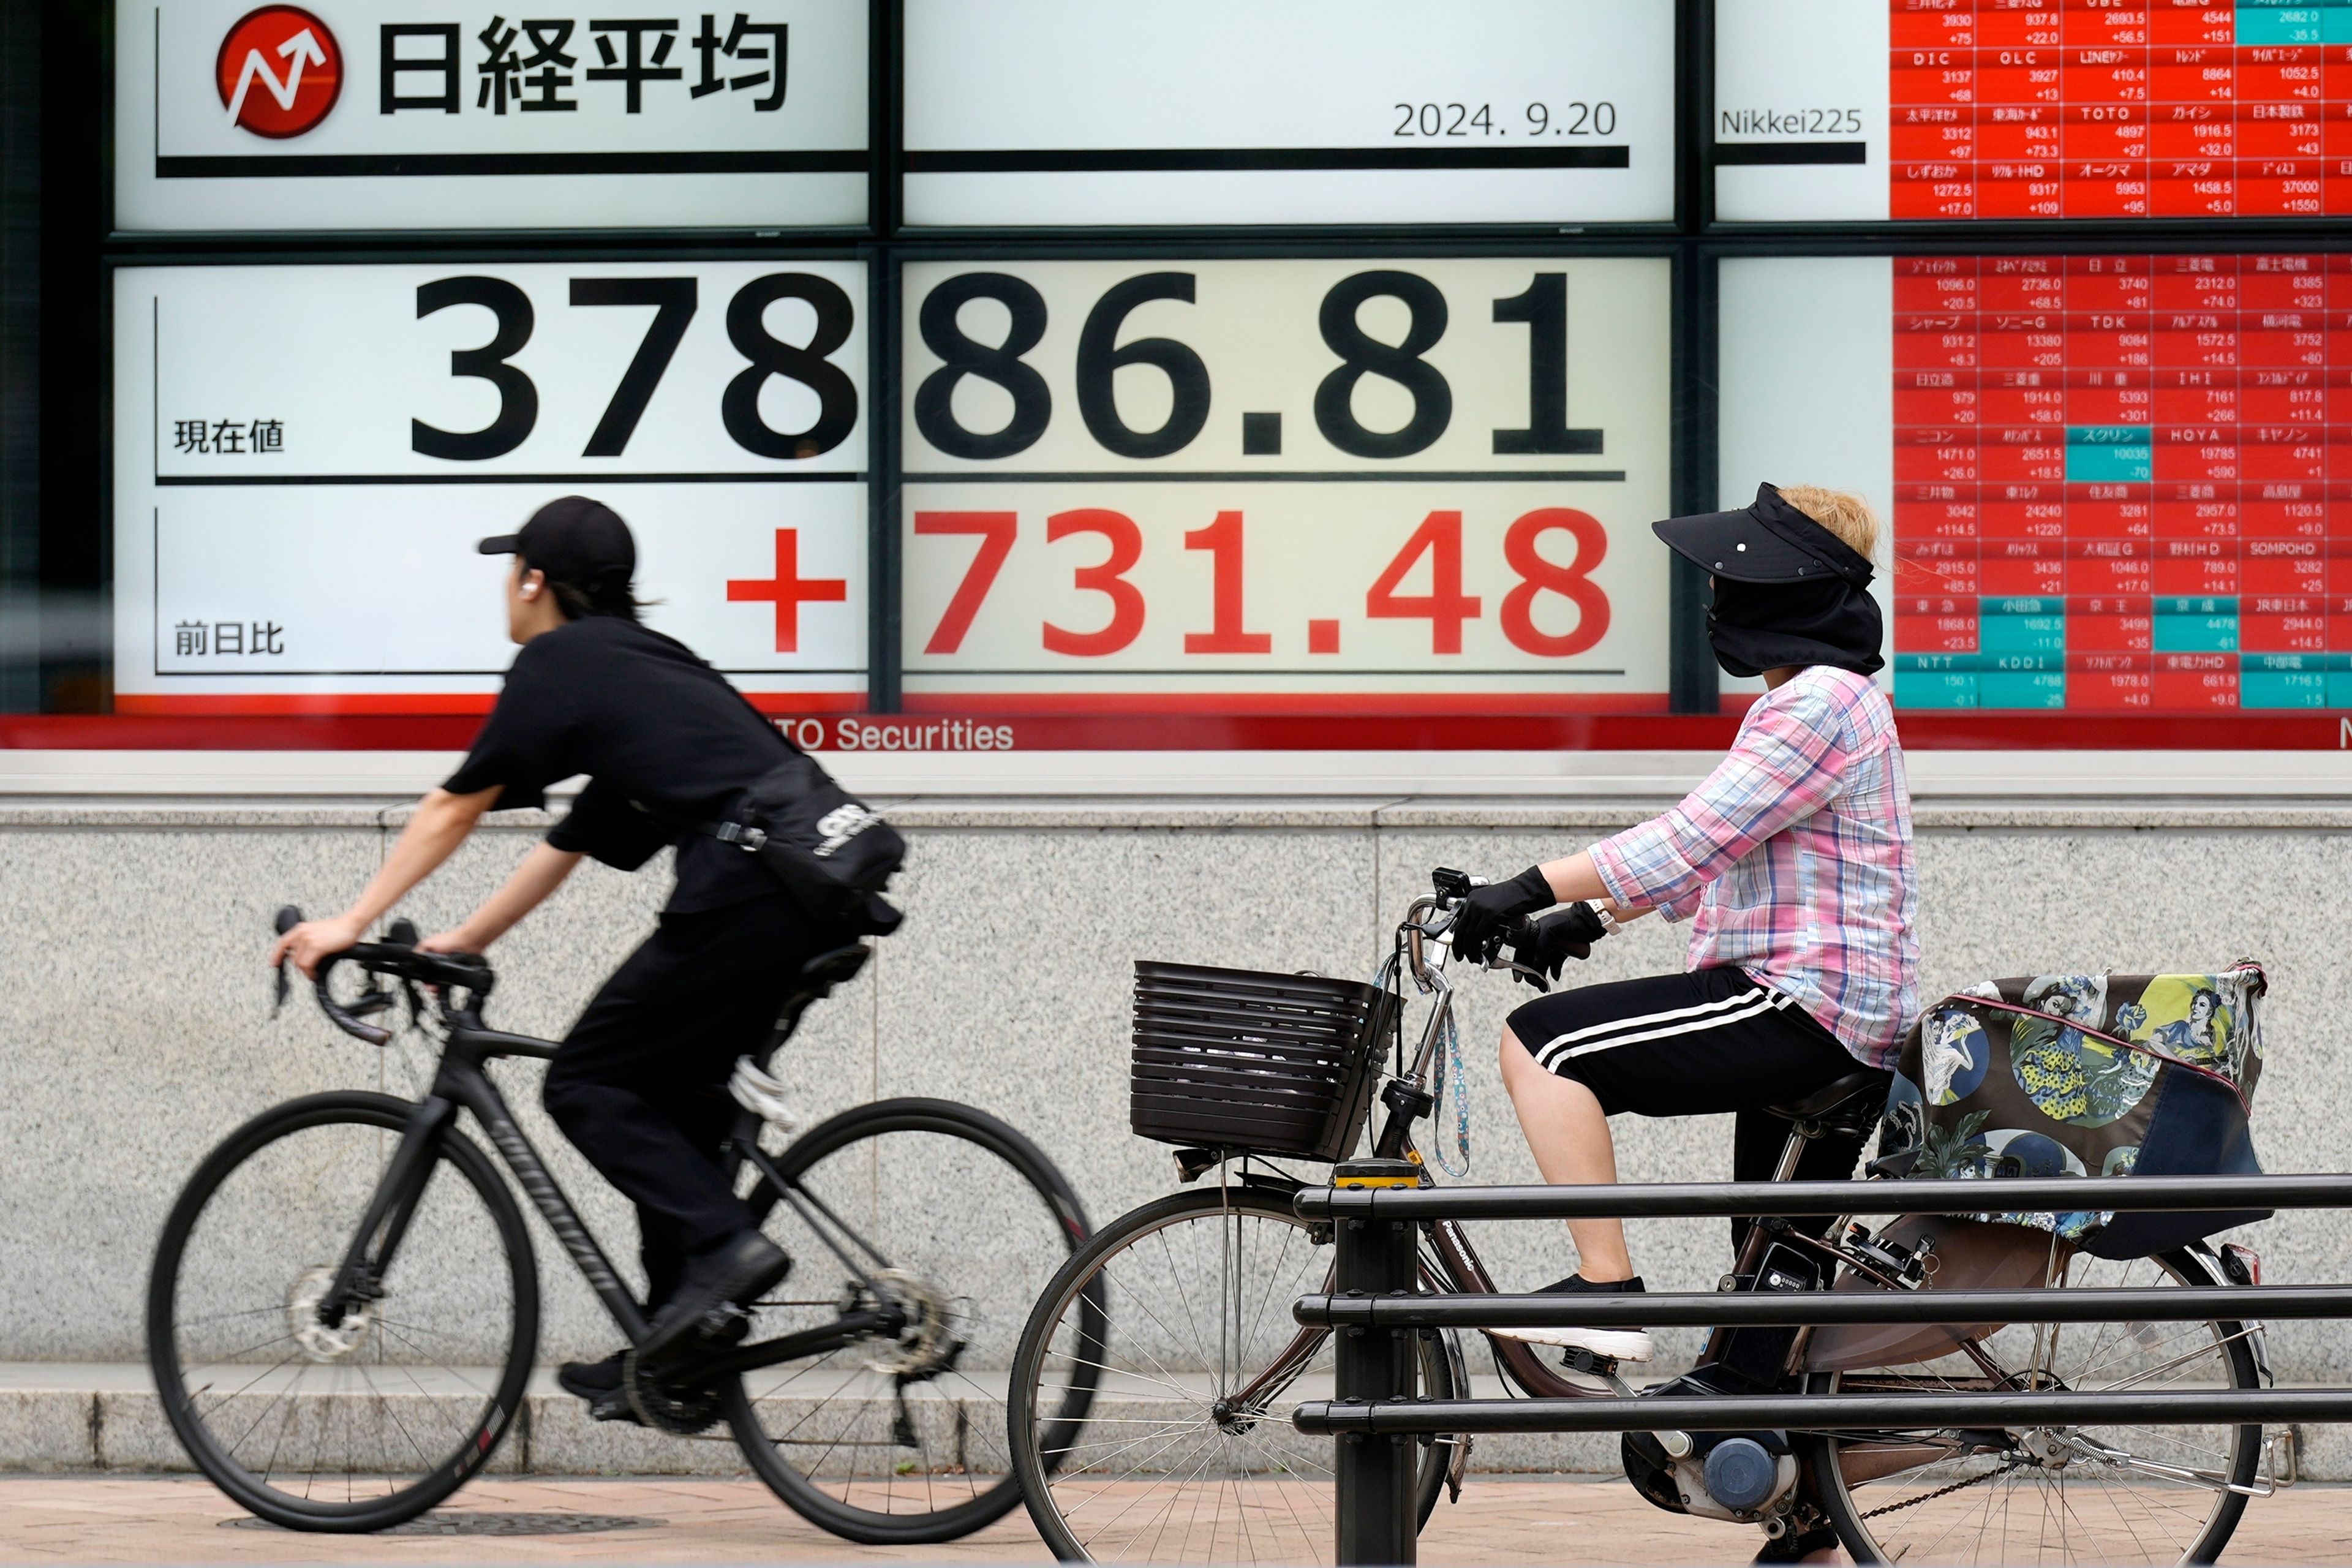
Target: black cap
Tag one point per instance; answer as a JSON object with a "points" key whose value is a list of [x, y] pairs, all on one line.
{"points": [[574, 539], [1767, 542]]}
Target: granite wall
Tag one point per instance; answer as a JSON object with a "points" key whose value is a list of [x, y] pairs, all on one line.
{"points": [[138, 1030]]}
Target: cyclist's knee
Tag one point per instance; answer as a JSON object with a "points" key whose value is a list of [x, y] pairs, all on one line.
{"points": [[561, 1095]]}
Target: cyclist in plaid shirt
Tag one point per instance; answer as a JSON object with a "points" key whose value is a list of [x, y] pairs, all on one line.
{"points": [[1793, 864]]}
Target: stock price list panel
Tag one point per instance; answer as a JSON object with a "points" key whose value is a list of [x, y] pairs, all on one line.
{"points": [[305, 456], [2008, 110], [2119, 481], [1341, 486]]}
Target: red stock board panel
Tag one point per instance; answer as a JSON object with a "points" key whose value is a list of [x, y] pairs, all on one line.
{"points": [[2009, 110], [2119, 483], [2114, 478]]}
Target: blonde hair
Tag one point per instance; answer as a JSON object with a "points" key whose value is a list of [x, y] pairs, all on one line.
{"points": [[1843, 513]]}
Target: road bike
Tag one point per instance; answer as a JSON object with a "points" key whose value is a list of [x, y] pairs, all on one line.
{"points": [[1185, 1451], [345, 1308]]}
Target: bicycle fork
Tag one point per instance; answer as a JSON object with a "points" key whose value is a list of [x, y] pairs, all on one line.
{"points": [[359, 1280]]}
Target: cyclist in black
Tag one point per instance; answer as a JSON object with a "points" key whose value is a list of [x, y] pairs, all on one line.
{"points": [[640, 1084]]}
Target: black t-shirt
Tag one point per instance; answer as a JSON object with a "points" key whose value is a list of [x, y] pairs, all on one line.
{"points": [[647, 720]]}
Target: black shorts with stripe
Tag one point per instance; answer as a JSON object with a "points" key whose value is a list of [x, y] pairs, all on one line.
{"points": [[1708, 1043]]}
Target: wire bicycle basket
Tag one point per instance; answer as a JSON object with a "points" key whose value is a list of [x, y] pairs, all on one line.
{"points": [[1244, 1059]]}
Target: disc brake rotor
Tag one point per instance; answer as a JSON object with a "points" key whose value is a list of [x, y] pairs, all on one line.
{"points": [[325, 1341], [924, 1343]]}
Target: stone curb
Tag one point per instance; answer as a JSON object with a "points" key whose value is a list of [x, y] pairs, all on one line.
{"points": [[928, 813]]}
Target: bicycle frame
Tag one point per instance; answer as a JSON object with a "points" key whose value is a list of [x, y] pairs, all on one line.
{"points": [[461, 1082], [1406, 1098]]}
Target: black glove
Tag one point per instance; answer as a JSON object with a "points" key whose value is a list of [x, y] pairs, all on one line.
{"points": [[1569, 933], [1478, 929]]}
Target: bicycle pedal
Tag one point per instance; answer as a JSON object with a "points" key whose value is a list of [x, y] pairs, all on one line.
{"points": [[1576, 1358], [615, 1407]]}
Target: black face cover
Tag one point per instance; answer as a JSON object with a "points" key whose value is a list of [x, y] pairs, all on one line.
{"points": [[1757, 626]]}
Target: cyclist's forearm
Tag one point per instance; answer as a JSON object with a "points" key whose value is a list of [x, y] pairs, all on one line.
{"points": [[1574, 878], [541, 872], [441, 824]]}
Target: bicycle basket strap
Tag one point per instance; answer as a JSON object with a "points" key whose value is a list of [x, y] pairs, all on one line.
{"points": [[829, 850], [2086, 1075]]}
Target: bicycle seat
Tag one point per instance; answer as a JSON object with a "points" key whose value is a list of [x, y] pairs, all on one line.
{"points": [[1862, 1090]]}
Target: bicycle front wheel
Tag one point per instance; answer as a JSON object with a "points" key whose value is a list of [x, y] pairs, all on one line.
{"points": [[368, 1420], [1187, 1454], [902, 1441], [2060, 1494]]}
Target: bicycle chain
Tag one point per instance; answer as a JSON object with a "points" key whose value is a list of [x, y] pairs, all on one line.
{"points": [[1941, 1491]]}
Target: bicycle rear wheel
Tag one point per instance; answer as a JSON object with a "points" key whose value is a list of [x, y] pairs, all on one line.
{"points": [[903, 1441], [1187, 1454], [2061, 1494], [368, 1421]]}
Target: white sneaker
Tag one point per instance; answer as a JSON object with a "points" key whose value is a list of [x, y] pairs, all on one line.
{"points": [[1614, 1345]]}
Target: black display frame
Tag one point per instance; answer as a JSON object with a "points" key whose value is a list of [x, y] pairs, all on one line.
{"points": [[75, 402]]}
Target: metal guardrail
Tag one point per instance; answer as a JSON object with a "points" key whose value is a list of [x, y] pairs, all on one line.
{"points": [[1376, 1312], [1800, 1309], [1720, 1200]]}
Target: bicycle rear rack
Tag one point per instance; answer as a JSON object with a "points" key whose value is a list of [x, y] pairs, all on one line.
{"points": [[1374, 1420]]}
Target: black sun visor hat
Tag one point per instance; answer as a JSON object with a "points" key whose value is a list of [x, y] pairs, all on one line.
{"points": [[572, 540], [1768, 541]]}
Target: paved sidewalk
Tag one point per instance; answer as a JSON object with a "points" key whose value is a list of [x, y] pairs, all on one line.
{"points": [[57, 1518]]}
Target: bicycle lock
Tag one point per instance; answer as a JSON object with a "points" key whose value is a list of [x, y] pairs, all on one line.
{"points": [[1376, 1208]]}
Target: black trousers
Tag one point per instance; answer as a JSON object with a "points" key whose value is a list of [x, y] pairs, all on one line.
{"points": [[1701, 1044], [640, 1084]]}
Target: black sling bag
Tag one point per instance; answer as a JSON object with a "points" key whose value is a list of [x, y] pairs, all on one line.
{"points": [[830, 852]]}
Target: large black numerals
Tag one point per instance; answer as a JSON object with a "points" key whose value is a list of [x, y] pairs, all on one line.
{"points": [[836, 394], [673, 300], [1100, 356], [518, 398], [1361, 355], [1544, 307], [1033, 402]]}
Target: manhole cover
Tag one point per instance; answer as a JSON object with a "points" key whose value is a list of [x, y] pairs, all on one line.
{"points": [[470, 1522]]}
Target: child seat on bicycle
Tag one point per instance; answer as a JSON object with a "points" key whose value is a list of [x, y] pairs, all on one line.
{"points": [[1793, 864], [640, 1085]]}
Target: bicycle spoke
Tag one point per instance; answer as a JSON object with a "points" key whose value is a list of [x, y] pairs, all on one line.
{"points": [[375, 1413], [834, 1433], [2145, 1494]]}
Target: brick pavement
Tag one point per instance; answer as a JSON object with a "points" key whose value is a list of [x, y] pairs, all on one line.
{"points": [[59, 1519]]}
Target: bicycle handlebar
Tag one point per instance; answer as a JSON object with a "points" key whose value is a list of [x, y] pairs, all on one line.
{"points": [[397, 957]]}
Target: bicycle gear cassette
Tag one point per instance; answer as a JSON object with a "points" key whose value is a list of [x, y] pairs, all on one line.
{"points": [[682, 1412], [322, 1341]]}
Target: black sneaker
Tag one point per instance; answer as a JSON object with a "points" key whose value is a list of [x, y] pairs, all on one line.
{"points": [[598, 1383], [715, 1284], [1614, 1344]]}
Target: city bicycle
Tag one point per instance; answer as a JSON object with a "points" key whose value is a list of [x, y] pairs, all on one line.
{"points": [[344, 1309], [1185, 1451]]}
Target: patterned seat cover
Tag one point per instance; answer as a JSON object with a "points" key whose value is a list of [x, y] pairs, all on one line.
{"points": [[2073, 1075]]}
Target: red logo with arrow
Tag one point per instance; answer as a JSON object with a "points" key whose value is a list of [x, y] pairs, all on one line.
{"points": [[279, 71]]}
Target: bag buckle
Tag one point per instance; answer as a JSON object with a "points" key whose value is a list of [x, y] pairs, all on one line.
{"points": [[750, 839]]}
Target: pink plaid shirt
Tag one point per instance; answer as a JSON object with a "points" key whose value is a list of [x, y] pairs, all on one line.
{"points": [[1795, 857]]}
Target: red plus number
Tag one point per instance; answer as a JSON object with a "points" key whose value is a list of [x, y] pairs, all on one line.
{"points": [[788, 590]]}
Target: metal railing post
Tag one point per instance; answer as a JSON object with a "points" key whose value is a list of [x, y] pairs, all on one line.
{"points": [[1372, 1473]]}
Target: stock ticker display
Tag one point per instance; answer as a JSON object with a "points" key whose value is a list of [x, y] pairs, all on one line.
{"points": [[2120, 481], [2119, 108]]}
